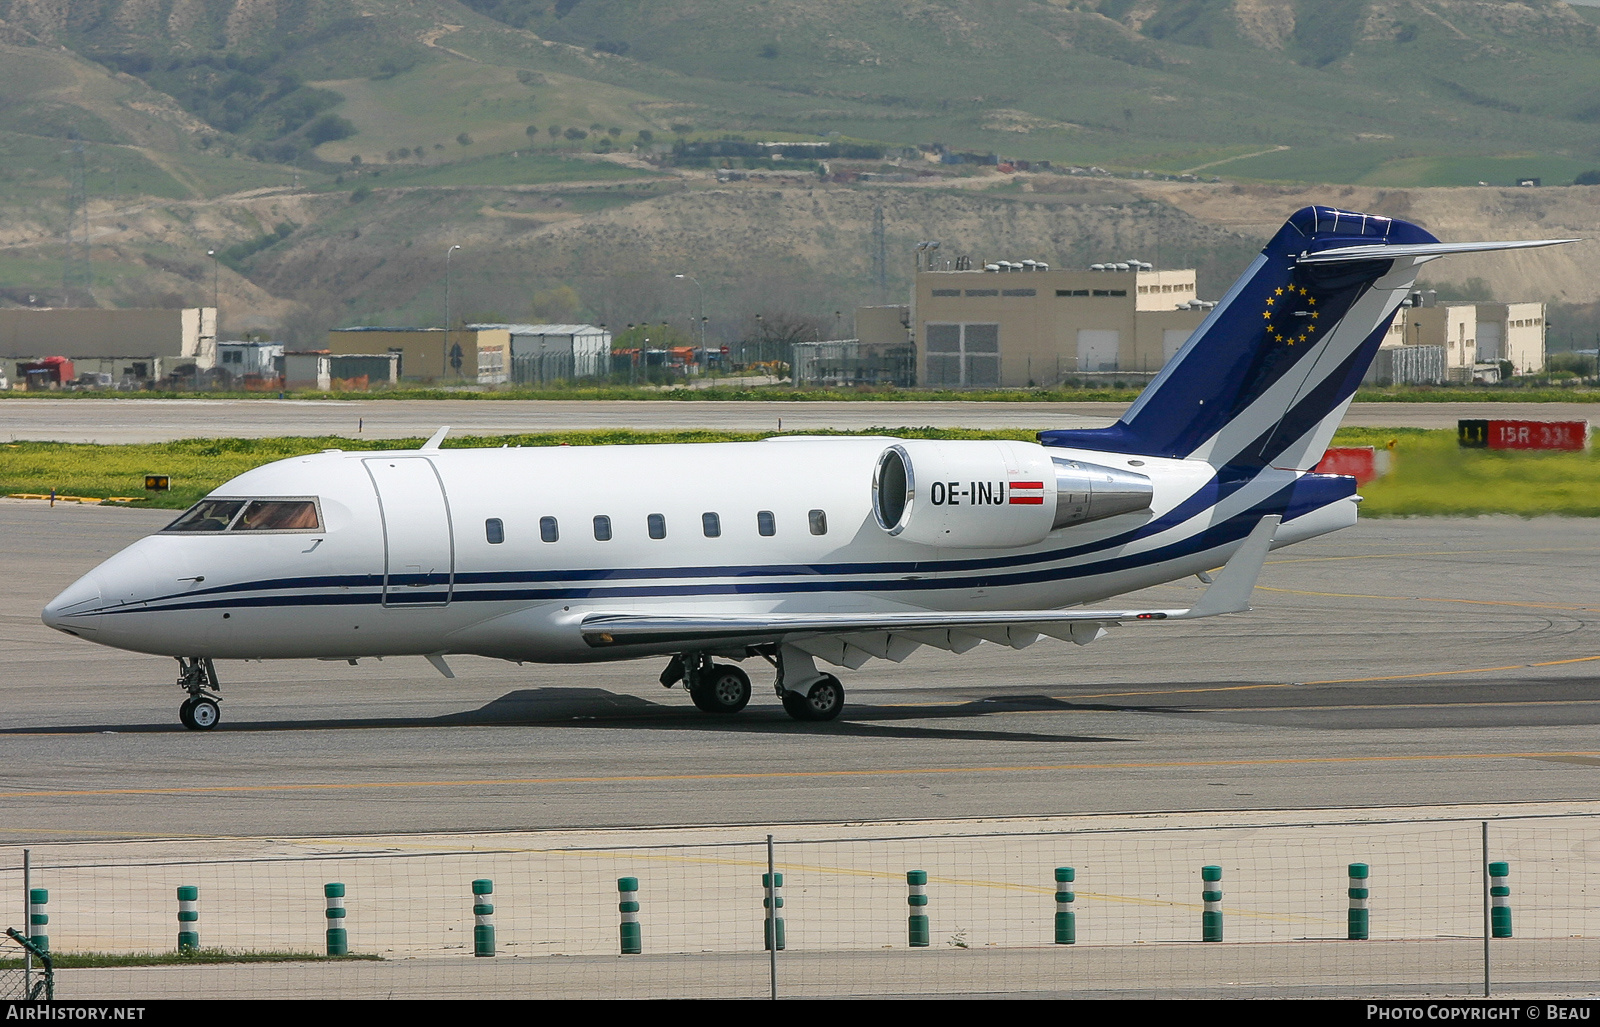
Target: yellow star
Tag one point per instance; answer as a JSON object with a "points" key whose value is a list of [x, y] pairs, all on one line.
{"points": [[1304, 291], [1312, 301], [1302, 338], [1267, 314], [1314, 314], [1269, 301], [1276, 292]]}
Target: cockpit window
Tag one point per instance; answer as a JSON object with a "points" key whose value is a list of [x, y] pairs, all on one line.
{"points": [[249, 515], [278, 515], [208, 515]]}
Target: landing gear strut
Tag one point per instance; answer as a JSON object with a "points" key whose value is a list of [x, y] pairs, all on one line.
{"points": [[198, 677]]}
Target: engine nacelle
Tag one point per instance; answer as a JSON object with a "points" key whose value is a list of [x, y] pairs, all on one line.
{"points": [[994, 495]]}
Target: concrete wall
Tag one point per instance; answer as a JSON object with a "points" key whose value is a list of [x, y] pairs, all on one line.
{"points": [[189, 333], [883, 326]]}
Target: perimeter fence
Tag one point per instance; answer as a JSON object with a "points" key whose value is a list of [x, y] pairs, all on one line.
{"points": [[866, 910]]}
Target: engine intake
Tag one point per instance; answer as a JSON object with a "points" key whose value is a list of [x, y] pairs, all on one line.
{"points": [[994, 495]]}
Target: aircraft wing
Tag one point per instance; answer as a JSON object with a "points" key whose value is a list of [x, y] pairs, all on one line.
{"points": [[896, 635]]}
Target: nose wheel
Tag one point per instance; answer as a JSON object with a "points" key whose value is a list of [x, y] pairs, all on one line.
{"points": [[199, 714], [198, 677]]}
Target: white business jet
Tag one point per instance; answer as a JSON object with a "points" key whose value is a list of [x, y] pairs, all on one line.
{"points": [[792, 550]]}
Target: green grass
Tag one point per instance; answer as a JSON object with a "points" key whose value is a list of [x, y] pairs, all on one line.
{"points": [[95, 960], [1396, 163], [1432, 475], [196, 466]]}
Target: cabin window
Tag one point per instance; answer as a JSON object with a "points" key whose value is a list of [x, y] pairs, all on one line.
{"points": [[819, 522], [208, 515], [278, 515], [658, 525], [212, 515], [548, 530], [766, 524], [494, 530], [602, 528], [711, 524]]}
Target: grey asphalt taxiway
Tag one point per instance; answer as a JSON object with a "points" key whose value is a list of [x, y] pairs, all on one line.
{"points": [[1405, 661], [109, 421]]}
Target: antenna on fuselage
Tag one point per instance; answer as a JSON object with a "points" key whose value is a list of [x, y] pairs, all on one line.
{"points": [[438, 437]]}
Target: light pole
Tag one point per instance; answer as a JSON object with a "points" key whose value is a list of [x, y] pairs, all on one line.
{"points": [[445, 349], [216, 327], [447, 254], [702, 289]]}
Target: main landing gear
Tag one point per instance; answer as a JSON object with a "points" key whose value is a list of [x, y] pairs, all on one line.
{"points": [[198, 677], [721, 688]]}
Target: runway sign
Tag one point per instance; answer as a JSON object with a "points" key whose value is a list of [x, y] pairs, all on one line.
{"points": [[1363, 463], [1491, 434]]}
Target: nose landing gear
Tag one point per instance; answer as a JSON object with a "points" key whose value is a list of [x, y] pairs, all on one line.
{"points": [[198, 677]]}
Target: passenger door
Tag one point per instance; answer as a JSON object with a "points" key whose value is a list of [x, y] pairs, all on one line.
{"points": [[418, 540]]}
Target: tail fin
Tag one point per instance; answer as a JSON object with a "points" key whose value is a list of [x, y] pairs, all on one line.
{"points": [[1267, 376]]}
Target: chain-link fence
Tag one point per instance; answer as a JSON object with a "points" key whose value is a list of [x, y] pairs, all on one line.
{"points": [[1219, 910]]}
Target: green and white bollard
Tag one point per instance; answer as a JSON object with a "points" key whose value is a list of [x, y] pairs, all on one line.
{"points": [[917, 899], [188, 918], [1359, 894], [39, 917], [338, 940], [1066, 919], [482, 917], [628, 906], [1211, 895], [772, 902], [1499, 900]]}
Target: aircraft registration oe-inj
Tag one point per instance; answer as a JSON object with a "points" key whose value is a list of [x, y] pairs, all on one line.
{"points": [[791, 550]]}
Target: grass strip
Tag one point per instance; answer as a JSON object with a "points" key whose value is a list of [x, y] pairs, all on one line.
{"points": [[96, 960], [1432, 474]]}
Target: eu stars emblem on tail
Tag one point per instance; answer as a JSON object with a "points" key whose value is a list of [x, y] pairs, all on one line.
{"points": [[1291, 315]]}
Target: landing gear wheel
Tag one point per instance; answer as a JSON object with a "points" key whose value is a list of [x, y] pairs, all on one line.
{"points": [[724, 689], [200, 714], [826, 698], [824, 701]]}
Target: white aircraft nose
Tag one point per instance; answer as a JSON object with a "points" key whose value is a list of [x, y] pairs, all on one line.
{"points": [[82, 596]]}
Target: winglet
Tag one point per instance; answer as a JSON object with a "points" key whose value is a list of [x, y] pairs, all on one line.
{"points": [[437, 659], [1231, 592], [438, 437]]}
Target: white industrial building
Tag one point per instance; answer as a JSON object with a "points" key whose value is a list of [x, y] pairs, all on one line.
{"points": [[1474, 339], [552, 352]]}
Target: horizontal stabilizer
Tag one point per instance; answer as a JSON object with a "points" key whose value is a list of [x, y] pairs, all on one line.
{"points": [[1230, 594], [1429, 250]]}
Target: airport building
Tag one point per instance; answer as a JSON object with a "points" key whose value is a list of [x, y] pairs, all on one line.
{"points": [[849, 362], [1020, 323], [131, 345], [472, 355], [1472, 339], [553, 352]]}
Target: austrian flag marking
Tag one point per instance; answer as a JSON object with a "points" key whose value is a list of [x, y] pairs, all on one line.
{"points": [[1027, 493]]}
